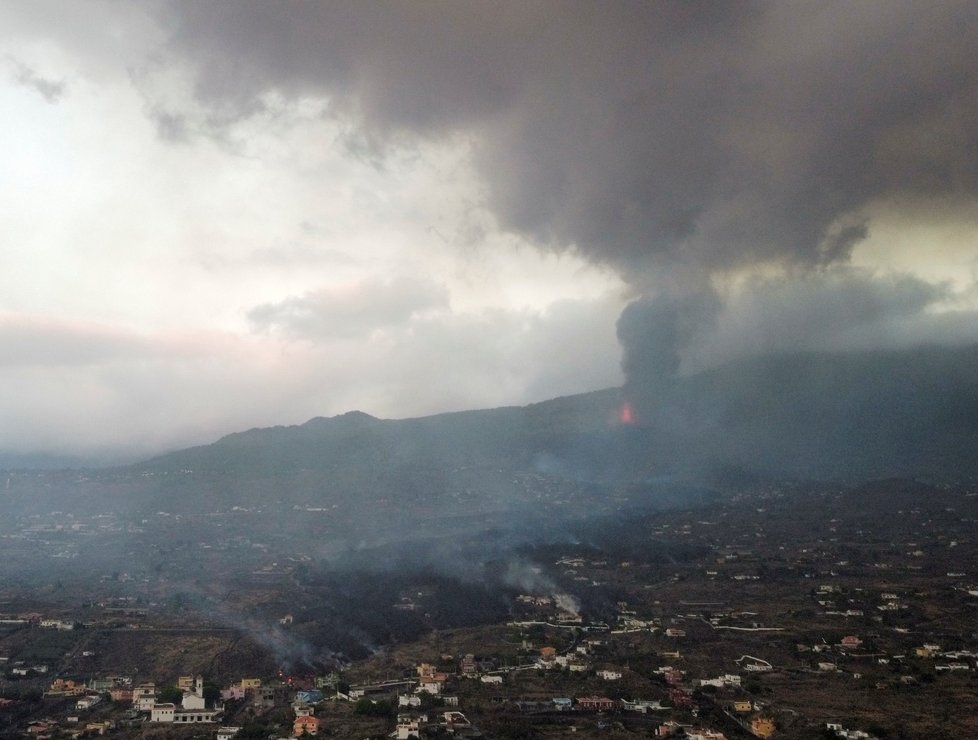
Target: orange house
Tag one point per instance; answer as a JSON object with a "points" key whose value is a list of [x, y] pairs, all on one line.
{"points": [[762, 726], [307, 725]]}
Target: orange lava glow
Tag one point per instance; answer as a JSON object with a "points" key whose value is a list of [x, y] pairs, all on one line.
{"points": [[625, 415]]}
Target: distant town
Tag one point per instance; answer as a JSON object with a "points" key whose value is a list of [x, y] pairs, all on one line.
{"points": [[794, 610]]}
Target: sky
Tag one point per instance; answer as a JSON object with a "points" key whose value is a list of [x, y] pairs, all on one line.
{"points": [[216, 216]]}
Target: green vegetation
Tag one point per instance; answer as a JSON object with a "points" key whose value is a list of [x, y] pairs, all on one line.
{"points": [[370, 708], [170, 695]]}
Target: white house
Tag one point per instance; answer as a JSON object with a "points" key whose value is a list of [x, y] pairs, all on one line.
{"points": [[162, 712], [409, 726], [87, 702], [144, 697], [727, 679], [642, 705], [57, 624], [170, 714]]}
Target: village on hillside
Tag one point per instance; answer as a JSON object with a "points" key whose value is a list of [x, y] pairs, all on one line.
{"points": [[783, 611]]}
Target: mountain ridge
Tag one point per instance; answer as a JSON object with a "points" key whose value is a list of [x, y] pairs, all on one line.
{"points": [[820, 415]]}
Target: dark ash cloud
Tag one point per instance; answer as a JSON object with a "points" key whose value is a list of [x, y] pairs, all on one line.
{"points": [[656, 331], [680, 143], [640, 134]]}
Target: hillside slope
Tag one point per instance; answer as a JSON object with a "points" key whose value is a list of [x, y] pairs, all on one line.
{"points": [[826, 416]]}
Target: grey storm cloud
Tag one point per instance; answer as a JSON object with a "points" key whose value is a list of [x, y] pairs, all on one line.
{"points": [[672, 141], [701, 133], [350, 311]]}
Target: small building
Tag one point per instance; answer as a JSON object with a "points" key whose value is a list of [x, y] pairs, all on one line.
{"points": [[670, 728], [266, 697], [454, 719], [595, 704], [121, 694], [168, 713], [700, 733], [762, 727], [309, 696], [409, 726], [563, 704], [87, 702], [163, 712], [307, 725], [144, 697], [642, 706], [226, 733], [724, 681], [67, 687], [753, 665], [431, 684]]}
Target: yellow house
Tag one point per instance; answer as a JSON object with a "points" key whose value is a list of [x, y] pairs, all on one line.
{"points": [[762, 726], [743, 706], [67, 686], [185, 683], [250, 683]]}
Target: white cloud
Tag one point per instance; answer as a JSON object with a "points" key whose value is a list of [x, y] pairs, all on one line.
{"points": [[353, 310]]}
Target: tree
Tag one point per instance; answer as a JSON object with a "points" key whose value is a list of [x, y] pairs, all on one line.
{"points": [[371, 708], [171, 695]]}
